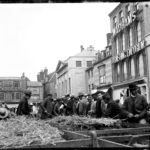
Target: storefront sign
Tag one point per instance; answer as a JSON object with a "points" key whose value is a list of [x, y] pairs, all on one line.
{"points": [[125, 22], [129, 52]]}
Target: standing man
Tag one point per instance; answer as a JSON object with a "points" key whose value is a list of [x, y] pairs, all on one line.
{"points": [[23, 107], [100, 105], [135, 105], [47, 107]]}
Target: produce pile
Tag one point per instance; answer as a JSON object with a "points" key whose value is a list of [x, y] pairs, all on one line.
{"points": [[77, 123], [21, 131]]}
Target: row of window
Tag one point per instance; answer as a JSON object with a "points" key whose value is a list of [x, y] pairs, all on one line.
{"points": [[124, 14], [62, 87], [10, 84], [102, 75], [79, 63], [10, 96], [134, 66], [128, 38]]}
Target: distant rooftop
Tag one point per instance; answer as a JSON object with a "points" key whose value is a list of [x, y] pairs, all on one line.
{"points": [[34, 83], [10, 78]]}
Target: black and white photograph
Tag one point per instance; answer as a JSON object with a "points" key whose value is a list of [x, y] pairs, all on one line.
{"points": [[74, 74]]}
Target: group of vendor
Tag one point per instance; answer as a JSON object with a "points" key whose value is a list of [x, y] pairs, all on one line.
{"points": [[99, 104]]}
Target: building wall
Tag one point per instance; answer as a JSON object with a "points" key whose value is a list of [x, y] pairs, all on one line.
{"points": [[37, 90], [72, 79], [134, 55], [93, 79]]}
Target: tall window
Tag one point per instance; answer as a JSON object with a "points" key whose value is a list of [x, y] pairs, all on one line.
{"points": [[138, 32], [18, 96], [78, 64], [132, 68], [130, 39], [141, 65], [123, 41], [117, 46], [16, 84], [118, 72], [69, 85], [13, 96], [114, 22], [125, 70], [128, 11], [89, 63], [66, 85], [91, 72], [102, 75], [1, 96], [121, 16]]}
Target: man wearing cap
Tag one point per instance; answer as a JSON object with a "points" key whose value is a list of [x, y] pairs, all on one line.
{"points": [[135, 105], [23, 107], [47, 107]]}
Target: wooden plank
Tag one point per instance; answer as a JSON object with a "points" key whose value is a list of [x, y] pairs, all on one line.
{"points": [[70, 135], [118, 139], [136, 138], [75, 143], [106, 143], [139, 130]]}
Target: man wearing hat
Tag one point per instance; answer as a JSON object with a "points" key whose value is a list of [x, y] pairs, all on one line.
{"points": [[23, 107], [135, 105], [112, 109], [47, 107]]}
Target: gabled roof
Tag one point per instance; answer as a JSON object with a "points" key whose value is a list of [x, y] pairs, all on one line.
{"points": [[53, 77], [59, 64]]}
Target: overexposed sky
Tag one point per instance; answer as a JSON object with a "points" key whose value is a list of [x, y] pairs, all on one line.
{"points": [[35, 36]]}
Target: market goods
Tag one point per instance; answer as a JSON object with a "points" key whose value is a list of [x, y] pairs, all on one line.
{"points": [[78, 123], [21, 131]]}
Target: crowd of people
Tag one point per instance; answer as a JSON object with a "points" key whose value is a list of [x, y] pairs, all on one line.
{"points": [[99, 104]]}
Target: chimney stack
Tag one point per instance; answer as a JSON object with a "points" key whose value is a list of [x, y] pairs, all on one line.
{"points": [[82, 48]]}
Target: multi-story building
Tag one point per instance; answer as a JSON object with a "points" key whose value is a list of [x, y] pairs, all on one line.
{"points": [[99, 75], [70, 74], [130, 26], [37, 91], [12, 89]]}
